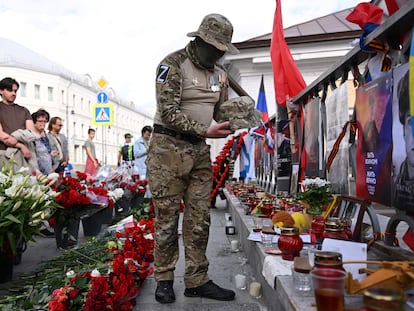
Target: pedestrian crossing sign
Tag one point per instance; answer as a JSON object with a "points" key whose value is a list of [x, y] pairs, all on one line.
{"points": [[102, 114]]}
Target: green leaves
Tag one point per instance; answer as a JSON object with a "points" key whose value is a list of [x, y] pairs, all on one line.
{"points": [[25, 201]]}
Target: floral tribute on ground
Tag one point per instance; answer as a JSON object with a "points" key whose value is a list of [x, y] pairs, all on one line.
{"points": [[104, 274]]}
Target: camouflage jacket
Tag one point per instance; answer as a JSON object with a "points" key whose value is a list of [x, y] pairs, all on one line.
{"points": [[188, 95]]}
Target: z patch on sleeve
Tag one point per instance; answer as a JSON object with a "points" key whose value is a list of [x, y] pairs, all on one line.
{"points": [[162, 73]]}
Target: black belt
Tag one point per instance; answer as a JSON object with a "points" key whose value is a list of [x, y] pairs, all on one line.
{"points": [[187, 137]]}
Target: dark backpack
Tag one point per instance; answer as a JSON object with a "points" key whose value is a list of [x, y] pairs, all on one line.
{"points": [[126, 155]]}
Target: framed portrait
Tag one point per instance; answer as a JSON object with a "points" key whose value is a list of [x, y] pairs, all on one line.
{"points": [[352, 210]]}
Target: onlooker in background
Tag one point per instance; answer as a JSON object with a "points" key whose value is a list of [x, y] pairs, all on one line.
{"points": [[190, 88], [58, 142], [13, 117], [141, 147], [126, 154], [44, 153], [92, 162]]}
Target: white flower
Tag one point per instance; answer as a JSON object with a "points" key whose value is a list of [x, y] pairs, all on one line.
{"points": [[23, 170], [53, 176], [3, 178], [95, 273], [116, 194], [11, 192], [315, 181], [70, 274]]}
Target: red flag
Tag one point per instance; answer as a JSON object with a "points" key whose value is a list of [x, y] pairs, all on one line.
{"points": [[392, 6], [288, 80]]}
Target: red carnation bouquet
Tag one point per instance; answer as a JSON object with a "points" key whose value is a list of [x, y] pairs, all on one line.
{"points": [[79, 197], [116, 283]]}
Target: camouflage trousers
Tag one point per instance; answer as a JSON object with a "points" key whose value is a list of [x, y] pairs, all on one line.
{"points": [[178, 170]]}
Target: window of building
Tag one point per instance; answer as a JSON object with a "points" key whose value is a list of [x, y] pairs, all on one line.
{"points": [[37, 91], [23, 89], [50, 93]]}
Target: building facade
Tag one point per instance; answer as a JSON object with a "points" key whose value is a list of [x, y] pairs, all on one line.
{"points": [[45, 84]]}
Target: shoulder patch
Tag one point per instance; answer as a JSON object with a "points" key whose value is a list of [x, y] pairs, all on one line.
{"points": [[162, 73]]}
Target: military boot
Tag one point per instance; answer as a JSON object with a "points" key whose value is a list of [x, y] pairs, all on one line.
{"points": [[210, 290], [165, 292]]}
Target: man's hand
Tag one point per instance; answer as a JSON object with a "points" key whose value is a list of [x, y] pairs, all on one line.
{"points": [[10, 141], [24, 150], [219, 130]]}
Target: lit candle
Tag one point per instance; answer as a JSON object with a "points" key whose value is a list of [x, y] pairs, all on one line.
{"points": [[234, 245], [240, 281], [255, 289]]}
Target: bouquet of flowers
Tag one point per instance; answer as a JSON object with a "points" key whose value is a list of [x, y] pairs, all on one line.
{"points": [[130, 184], [101, 274], [80, 197], [315, 194], [114, 284], [26, 200]]}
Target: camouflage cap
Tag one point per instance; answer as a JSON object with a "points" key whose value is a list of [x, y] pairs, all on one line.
{"points": [[216, 30], [241, 113]]}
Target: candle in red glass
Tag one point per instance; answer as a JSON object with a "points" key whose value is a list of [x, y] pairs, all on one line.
{"points": [[328, 260], [317, 226], [289, 242], [334, 229], [267, 207]]}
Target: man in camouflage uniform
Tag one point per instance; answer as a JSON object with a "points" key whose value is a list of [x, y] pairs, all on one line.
{"points": [[190, 88]]}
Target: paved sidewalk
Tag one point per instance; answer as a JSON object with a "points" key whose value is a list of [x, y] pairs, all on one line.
{"points": [[224, 265]]}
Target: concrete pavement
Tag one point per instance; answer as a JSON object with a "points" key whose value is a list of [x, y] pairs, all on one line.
{"points": [[224, 265]]}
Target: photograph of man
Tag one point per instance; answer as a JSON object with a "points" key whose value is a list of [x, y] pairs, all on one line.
{"points": [[373, 105], [403, 194]]}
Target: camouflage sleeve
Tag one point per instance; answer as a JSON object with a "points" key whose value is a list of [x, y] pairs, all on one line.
{"points": [[168, 95]]}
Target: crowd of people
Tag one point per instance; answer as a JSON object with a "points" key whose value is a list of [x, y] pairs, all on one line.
{"points": [[35, 140], [23, 136]]}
